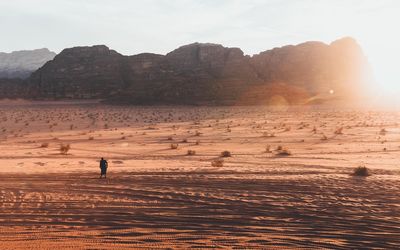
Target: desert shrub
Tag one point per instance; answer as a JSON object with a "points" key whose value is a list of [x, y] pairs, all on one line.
{"points": [[197, 133], [226, 153], [383, 132], [174, 145], [64, 148], [361, 171], [91, 138], [268, 149], [197, 142], [339, 131], [184, 141], [44, 145], [266, 134], [281, 151], [324, 137], [191, 152], [218, 163], [169, 138]]}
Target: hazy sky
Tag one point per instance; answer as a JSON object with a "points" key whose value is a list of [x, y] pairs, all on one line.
{"points": [[159, 26]]}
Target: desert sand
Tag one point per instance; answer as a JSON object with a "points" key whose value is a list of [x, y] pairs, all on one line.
{"points": [[159, 196]]}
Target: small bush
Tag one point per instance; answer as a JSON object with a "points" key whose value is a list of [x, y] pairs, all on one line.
{"points": [[191, 152], [266, 134], [91, 138], [361, 171], [383, 132], [314, 130], [268, 149], [174, 145], [64, 148], [169, 138], [219, 163], [44, 145], [339, 131], [281, 151], [226, 154]]}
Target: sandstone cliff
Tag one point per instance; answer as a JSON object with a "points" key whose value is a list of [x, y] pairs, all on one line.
{"points": [[204, 74], [20, 64], [81, 73]]}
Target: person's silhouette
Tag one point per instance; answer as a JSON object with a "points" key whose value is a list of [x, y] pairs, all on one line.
{"points": [[103, 168]]}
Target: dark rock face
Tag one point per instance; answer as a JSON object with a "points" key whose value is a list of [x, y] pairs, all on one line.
{"points": [[203, 74], [81, 72], [20, 64], [192, 74], [13, 88]]}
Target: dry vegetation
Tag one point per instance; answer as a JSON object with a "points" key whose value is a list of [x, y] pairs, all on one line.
{"points": [[195, 177], [361, 171]]}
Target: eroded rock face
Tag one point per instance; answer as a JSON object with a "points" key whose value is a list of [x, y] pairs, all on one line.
{"points": [[20, 64], [316, 67], [203, 74], [80, 72], [192, 74], [13, 88]]}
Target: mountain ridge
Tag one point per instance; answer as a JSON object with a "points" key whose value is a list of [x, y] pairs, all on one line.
{"points": [[202, 73], [20, 64]]}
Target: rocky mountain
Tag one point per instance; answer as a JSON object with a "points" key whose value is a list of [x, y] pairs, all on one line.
{"points": [[203, 74], [81, 73], [20, 64]]}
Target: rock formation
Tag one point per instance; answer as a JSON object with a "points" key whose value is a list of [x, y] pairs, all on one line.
{"points": [[20, 64], [203, 74], [79, 73]]}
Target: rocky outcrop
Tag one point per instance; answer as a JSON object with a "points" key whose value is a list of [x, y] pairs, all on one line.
{"points": [[80, 73], [13, 88], [316, 67], [203, 74], [192, 74], [20, 64]]}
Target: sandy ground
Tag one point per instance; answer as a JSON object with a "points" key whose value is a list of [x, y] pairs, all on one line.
{"points": [[158, 197]]}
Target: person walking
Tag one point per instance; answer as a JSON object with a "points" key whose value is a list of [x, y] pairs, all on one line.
{"points": [[103, 168]]}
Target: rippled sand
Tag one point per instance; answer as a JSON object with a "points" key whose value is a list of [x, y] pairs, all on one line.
{"points": [[158, 197]]}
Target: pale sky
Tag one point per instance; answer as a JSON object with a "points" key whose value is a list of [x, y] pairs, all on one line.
{"points": [[159, 26]]}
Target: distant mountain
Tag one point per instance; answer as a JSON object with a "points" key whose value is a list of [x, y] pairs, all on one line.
{"points": [[203, 74], [20, 64]]}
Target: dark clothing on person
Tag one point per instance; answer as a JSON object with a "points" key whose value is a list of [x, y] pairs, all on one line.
{"points": [[103, 168]]}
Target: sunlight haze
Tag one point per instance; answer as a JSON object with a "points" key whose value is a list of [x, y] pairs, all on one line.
{"points": [[159, 26]]}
